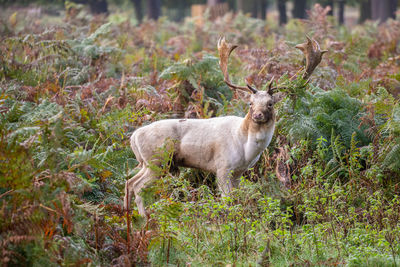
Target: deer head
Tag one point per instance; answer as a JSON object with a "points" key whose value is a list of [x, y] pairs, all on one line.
{"points": [[261, 102]]}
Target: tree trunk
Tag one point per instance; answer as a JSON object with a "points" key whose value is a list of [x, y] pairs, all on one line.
{"points": [[254, 9], [214, 2], [98, 6], [383, 9], [392, 8], [365, 11], [375, 9], [182, 6], [341, 11], [299, 9], [259, 9], [282, 12], [240, 5], [138, 10], [153, 9], [264, 5]]}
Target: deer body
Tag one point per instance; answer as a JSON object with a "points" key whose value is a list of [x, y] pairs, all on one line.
{"points": [[226, 146], [204, 143]]}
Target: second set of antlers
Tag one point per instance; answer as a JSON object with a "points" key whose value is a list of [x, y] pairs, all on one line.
{"points": [[310, 49]]}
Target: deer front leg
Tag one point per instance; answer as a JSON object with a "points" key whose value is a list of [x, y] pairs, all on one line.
{"points": [[227, 180]]}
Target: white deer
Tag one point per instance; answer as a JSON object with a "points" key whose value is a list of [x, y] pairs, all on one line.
{"points": [[226, 146]]}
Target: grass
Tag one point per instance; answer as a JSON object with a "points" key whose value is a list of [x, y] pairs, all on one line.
{"points": [[71, 95]]}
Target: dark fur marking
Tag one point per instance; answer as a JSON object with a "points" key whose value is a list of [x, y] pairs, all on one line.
{"points": [[176, 162], [267, 115]]}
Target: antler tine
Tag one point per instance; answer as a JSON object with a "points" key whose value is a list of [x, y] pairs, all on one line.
{"points": [[270, 89], [225, 49], [313, 54]]}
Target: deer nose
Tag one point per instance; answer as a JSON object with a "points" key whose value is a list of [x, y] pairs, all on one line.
{"points": [[258, 116]]}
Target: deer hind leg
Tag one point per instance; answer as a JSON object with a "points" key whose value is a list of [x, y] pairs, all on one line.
{"points": [[129, 187], [139, 184], [135, 185]]}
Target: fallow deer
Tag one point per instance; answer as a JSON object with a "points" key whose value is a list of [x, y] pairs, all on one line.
{"points": [[226, 146]]}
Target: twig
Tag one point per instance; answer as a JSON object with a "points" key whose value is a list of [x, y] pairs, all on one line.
{"points": [[49, 209], [6, 193], [128, 226]]}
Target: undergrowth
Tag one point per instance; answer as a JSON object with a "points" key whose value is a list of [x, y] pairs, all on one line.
{"points": [[72, 93]]}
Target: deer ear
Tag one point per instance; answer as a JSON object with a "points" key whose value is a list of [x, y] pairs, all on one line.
{"points": [[271, 91], [277, 97], [246, 97]]}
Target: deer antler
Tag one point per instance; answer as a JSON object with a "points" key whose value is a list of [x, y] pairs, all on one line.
{"points": [[313, 54], [225, 49]]}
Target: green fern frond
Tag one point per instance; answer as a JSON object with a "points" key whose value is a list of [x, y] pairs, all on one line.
{"points": [[45, 111], [392, 158]]}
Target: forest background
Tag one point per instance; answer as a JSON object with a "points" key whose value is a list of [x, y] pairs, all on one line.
{"points": [[76, 82]]}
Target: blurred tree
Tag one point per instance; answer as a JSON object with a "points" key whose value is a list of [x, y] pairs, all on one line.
{"points": [[214, 2], [257, 8], [153, 9], [341, 11], [365, 10], [299, 9], [177, 10], [383, 9], [282, 11], [98, 6], [240, 5], [262, 9], [137, 4]]}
